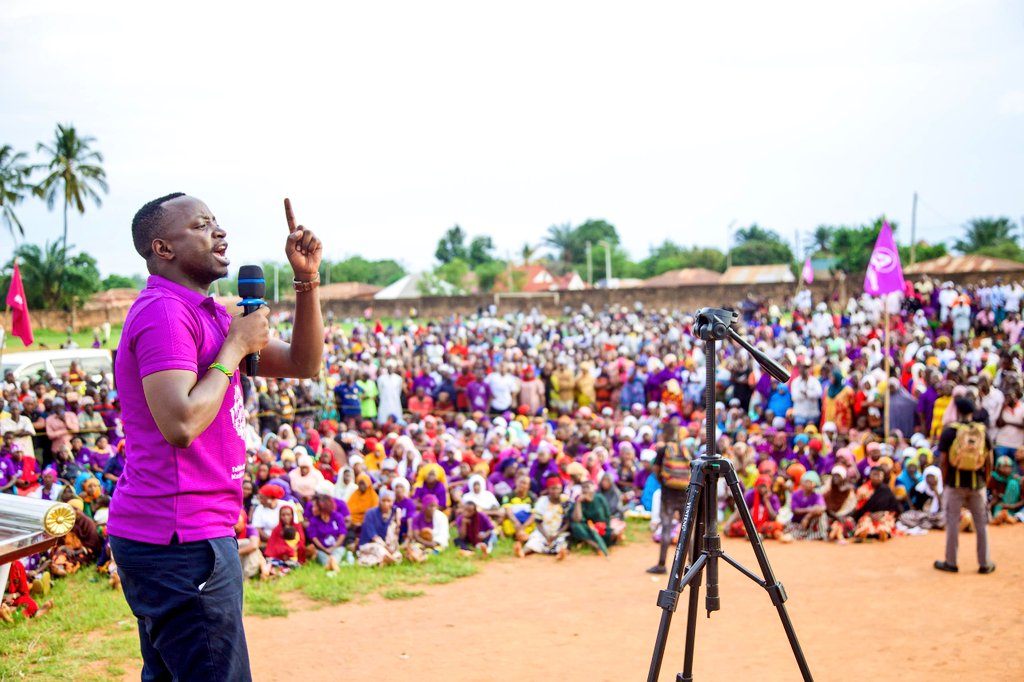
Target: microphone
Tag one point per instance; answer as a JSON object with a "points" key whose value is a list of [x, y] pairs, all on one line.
{"points": [[251, 287]]}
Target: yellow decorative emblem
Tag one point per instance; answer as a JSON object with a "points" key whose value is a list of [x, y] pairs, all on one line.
{"points": [[59, 519]]}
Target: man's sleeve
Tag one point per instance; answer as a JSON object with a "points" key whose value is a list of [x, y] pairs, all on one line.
{"points": [[166, 336]]}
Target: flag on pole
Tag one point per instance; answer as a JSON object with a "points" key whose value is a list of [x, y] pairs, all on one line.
{"points": [[885, 274], [21, 324], [808, 273]]}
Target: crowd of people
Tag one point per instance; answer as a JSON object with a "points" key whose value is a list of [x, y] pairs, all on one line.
{"points": [[548, 433]]}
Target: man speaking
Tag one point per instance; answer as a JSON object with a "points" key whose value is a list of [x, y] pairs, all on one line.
{"points": [[177, 373]]}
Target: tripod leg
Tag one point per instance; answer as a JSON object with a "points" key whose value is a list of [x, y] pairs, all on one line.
{"points": [[691, 611], [669, 597], [772, 585]]}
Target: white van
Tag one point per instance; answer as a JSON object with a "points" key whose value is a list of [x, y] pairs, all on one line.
{"points": [[95, 363]]}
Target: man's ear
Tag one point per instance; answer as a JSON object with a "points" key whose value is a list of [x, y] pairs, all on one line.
{"points": [[163, 250]]}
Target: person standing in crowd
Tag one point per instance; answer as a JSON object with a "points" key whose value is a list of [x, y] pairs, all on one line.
{"points": [[806, 392], [20, 427], [60, 426], [966, 463], [172, 520], [672, 469]]}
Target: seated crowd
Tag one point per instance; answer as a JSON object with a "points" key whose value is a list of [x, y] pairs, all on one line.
{"points": [[548, 434]]}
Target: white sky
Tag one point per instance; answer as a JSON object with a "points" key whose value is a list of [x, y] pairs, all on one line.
{"points": [[386, 123]]}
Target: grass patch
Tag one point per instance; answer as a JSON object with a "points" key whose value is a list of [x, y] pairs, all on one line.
{"points": [[399, 593], [92, 636], [53, 339], [89, 624]]}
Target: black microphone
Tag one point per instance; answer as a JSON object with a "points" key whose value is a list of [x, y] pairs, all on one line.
{"points": [[251, 287]]}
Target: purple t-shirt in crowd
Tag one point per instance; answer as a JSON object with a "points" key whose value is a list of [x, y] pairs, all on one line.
{"points": [[326, 532], [479, 395], [801, 501], [194, 492]]}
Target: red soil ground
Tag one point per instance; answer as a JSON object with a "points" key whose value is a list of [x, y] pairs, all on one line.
{"points": [[862, 612]]}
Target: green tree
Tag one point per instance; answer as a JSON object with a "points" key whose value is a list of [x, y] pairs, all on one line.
{"points": [[756, 245], [487, 273], [14, 174], [527, 252], [481, 250], [122, 282], [41, 270], [74, 172], [454, 273], [560, 239], [671, 256], [452, 245], [821, 239], [925, 251], [852, 244], [359, 269], [985, 233]]}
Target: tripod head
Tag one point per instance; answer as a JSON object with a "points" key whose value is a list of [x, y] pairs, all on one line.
{"points": [[716, 324]]}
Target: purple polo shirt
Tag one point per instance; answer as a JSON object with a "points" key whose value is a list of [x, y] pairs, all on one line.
{"points": [[196, 491]]}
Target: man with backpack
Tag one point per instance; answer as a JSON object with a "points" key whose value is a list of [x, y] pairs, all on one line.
{"points": [[672, 467], [966, 463]]}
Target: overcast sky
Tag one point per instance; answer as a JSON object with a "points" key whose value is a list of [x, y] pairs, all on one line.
{"points": [[386, 123]]}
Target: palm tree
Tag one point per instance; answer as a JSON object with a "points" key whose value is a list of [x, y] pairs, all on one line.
{"points": [[13, 185], [756, 233], [821, 238], [52, 280], [561, 238], [74, 172], [981, 233], [527, 253]]}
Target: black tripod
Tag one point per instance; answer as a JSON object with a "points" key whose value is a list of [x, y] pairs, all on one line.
{"points": [[701, 512]]}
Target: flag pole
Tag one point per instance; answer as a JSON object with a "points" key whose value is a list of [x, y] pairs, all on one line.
{"points": [[888, 392]]}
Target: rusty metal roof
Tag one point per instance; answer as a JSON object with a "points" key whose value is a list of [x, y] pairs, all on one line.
{"points": [[683, 277], [758, 274], [951, 265]]}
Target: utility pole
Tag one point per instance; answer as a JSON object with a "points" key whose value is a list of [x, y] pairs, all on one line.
{"points": [[590, 265], [508, 271], [607, 263], [913, 231], [728, 244], [799, 253]]}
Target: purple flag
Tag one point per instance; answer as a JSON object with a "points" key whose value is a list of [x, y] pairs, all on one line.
{"points": [[885, 274], [808, 272]]}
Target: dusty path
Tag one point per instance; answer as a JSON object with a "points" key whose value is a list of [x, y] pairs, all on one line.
{"points": [[862, 612]]}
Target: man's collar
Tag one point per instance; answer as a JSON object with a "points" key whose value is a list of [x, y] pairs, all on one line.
{"points": [[191, 296]]}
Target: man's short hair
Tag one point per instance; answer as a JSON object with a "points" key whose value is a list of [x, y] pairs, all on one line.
{"points": [[146, 223]]}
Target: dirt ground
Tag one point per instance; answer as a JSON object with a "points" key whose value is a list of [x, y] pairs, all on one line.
{"points": [[862, 612]]}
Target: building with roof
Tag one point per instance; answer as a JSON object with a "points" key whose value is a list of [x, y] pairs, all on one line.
{"points": [[684, 277], [971, 264], [535, 278], [758, 274]]}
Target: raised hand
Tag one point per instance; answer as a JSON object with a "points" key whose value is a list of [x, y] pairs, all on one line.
{"points": [[303, 248]]}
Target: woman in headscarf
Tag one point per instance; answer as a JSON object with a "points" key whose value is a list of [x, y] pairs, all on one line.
{"points": [[378, 537], [611, 494], [1004, 492], [326, 531], [484, 499], [286, 436], [840, 501], [764, 508], [590, 520], [363, 499], [476, 530], [877, 507], [431, 479], [837, 403], [346, 484], [926, 505], [542, 468], [286, 548], [429, 527], [810, 522]]}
